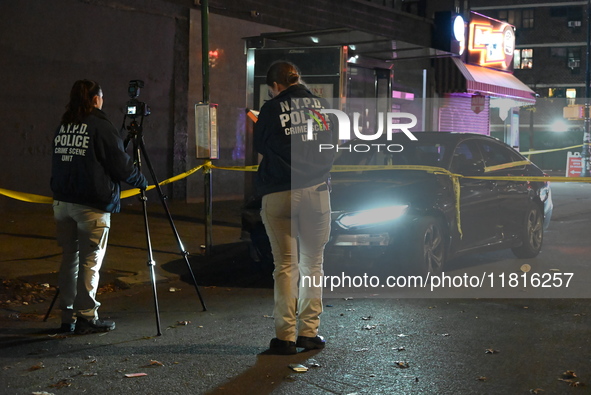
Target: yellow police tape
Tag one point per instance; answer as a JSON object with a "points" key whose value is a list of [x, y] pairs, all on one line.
{"points": [[207, 166], [528, 153]]}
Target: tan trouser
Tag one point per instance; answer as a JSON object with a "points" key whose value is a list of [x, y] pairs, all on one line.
{"points": [[82, 232], [298, 215]]}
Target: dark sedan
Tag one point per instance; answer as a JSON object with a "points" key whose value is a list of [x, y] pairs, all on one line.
{"points": [[409, 218]]}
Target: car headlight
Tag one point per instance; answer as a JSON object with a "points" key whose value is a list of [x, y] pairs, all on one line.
{"points": [[371, 217]]}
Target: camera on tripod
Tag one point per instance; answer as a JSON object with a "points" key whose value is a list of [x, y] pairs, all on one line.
{"points": [[135, 107]]}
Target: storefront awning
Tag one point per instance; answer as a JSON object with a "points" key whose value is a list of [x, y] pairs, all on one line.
{"points": [[453, 75]]}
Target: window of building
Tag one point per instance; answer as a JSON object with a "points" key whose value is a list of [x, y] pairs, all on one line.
{"points": [[523, 58], [527, 19], [574, 58], [571, 96], [558, 12], [558, 52], [518, 18]]}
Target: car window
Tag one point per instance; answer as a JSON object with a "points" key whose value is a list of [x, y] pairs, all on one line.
{"points": [[466, 156], [423, 154], [496, 154]]}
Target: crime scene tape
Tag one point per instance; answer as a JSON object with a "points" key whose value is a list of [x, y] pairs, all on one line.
{"points": [[208, 166], [528, 153]]}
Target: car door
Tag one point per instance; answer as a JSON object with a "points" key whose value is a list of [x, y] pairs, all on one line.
{"points": [[513, 195], [478, 198]]}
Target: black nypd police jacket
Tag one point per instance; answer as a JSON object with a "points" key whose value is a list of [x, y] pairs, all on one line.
{"points": [[89, 162], [291, 160]]}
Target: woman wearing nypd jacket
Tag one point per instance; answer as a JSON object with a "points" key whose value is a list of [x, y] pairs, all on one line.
{"points": [[88, 164], [293, 179]]}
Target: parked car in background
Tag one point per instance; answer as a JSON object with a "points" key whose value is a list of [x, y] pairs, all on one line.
{"points": [[409, 218]]}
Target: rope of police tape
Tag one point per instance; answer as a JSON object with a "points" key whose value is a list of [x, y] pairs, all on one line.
{"points": [[528, 153], [207, 166]]}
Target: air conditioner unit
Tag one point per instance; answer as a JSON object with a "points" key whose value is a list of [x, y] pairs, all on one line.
{"points": [[574, 63], [574, 23]]}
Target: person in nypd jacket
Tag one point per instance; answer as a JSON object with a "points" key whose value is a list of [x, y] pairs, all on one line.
{"points": [[88, 164], [292, 179]]}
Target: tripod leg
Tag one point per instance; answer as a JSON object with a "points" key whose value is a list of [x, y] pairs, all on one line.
{"points": [[57, 293], [171, 222], [151, 262]]}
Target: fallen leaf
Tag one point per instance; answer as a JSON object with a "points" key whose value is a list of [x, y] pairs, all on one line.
{"points": [[61, 384], [482, 378], [536, 391], [569, 374], [401, 364], [156, 363], [491, 351], [36, 367], [312, 363], [298, 367], [135, 374], [572, 383]]}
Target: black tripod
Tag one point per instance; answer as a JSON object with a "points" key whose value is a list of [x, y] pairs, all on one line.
{"points": [[136, 136]]}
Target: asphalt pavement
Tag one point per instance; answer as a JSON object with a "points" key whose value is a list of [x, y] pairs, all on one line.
{"points": [[375, 345]]}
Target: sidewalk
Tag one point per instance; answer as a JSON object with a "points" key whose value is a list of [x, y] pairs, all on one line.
{"points": [[28, 247]]}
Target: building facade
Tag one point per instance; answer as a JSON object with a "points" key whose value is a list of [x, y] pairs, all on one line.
{"points": [[48, 45], [550, 57]]}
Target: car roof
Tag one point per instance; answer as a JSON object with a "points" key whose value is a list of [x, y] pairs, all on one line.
{"points": [[429, 137]]}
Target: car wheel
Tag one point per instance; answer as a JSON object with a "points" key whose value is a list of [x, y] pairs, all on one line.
{"points": [[426, 248], [532, 234]]}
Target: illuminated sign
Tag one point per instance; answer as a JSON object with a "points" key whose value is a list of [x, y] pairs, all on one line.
{"points": [[449, 32], [491, 42]]}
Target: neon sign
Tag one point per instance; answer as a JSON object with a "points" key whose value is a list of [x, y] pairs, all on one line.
{"points": [[491, 43]]}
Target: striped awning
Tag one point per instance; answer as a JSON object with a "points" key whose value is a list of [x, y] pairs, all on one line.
{"points": [[453, 76]]}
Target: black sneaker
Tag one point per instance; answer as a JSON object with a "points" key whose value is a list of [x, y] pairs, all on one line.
{"points": [[282, 347], [84, 326], [310, 343]]}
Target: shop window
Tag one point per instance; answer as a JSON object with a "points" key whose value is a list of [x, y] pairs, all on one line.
{"points": [[523, 58]]}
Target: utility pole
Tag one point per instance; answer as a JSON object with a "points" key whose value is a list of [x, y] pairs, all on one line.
{"points": [[587, 134], [207, 182]]}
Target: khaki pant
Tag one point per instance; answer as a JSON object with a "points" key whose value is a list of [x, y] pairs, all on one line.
{"points": [[300, 215], [82, 232]]}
